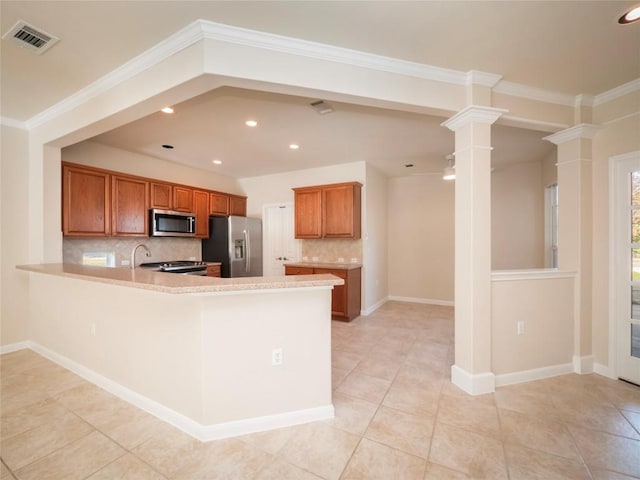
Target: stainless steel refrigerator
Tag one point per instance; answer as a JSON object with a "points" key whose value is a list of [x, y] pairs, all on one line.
{"points": [[236, 242]]}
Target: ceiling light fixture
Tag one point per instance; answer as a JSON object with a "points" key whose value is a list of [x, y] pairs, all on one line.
{"points": [[167, 110], [631, 16], [167, 146], [450, 169], [217, 162], [251, 123], [294, 146]]}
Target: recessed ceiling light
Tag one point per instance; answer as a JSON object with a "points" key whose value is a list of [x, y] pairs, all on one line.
{"points": [[408, 165], [167, 110], [168, 147], [294, 146], [630, 16], [217, 162], [251, 123]]}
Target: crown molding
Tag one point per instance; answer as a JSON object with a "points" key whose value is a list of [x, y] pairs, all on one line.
{"points": [[170, 46], [583, 100], [475, 77], [620, 91], [584, 130], [12, 122], [533, 93], [473, 114]]}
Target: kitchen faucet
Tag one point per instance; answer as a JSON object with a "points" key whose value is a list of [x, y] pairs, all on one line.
{"points": [[133, 253]]}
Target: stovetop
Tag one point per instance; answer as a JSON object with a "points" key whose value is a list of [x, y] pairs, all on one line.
{"points": [[176, 265]]}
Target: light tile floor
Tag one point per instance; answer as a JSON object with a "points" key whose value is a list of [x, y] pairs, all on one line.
{"points": [[397, 417]]}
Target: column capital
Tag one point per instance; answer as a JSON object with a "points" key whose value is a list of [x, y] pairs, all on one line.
{"points": [[584, 130], [473, 114]]}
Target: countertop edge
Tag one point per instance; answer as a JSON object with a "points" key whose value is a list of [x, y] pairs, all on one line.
{"points": [[179, 284], [326, 265]]}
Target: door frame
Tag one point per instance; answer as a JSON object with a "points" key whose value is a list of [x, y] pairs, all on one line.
{"points": [[615, 163]]}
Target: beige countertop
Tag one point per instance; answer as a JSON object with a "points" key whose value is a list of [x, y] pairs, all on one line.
{"points": [[337, 266], [175, 283]]}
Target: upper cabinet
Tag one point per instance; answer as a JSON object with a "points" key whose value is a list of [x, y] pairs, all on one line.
{"points": [[102, 203], [182, 199], [129, 206], [85, 202], [237, 205], [328, 211], [201, 210], [161, 196]]}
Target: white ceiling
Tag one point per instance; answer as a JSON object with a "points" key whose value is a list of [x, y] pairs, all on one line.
{"points": [[572, 47]]}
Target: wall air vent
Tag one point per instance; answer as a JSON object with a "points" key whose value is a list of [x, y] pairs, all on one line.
{"points": [[30, 37]]}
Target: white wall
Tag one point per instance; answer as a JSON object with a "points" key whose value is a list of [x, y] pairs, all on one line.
{"points": [[15, 200], [103, 156], [375, 239], [420, 215], [517, 217]]}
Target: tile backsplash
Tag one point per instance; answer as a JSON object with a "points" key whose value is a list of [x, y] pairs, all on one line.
{"points": [[162, 249], [332, 250]]}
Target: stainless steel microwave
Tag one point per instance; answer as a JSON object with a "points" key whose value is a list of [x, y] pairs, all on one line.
{"points": [[167, 223]]}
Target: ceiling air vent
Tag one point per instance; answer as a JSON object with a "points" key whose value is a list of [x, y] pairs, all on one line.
{"points": [[30, 37]]}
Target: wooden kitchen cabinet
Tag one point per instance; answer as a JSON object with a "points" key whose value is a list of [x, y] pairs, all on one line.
{"points": [[328, 211], [129, 206], [182, 199], [201, 210], [345, 299], [161, 196], [213, 271], [218, 204], [85, 202], [237, 205], [308, 212]]}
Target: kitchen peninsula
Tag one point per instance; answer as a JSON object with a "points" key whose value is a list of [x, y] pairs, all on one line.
{"points": [[202, 353]]}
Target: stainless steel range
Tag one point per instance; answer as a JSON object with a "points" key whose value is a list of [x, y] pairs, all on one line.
{"points": [[183, 267]]}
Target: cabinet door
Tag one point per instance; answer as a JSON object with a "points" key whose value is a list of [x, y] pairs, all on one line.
{"points": [[339, 293], [161, 196], [218, 204], [290, 270], [201, 209], [85, 202], [237, 205], [129, 206], [341, 214], [182, 199], [308, 213], [213, 270]]}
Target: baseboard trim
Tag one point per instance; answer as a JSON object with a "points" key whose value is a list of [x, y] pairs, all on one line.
{"points": [[14, 347], [533, 374], [604, 371], [473, 384], [445, 303], [201, 432], [374, 307], [583, 365]]}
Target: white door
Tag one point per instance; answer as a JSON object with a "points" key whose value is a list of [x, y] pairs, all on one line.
{"points": [[626, 211], [280, 245]]}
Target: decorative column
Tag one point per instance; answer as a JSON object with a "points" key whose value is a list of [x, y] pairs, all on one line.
{"points": [[472, 369], [575, 229]]}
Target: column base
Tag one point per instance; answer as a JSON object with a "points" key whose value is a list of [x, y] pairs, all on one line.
{"points": [[473, 384]]}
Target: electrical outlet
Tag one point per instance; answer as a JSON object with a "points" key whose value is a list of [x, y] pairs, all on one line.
{"points": [[341, 260], [124, 263], [354, 260], [520, 328], [276, 357], [314, 259]]}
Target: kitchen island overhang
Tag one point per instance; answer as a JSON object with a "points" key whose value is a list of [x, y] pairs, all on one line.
{"points": [[194, 351]]}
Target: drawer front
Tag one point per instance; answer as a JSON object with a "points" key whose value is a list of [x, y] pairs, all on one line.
{"points": [[297, 270]]}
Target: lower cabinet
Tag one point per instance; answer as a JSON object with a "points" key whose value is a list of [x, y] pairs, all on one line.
{"points": [[213, 271], [345, 299]]}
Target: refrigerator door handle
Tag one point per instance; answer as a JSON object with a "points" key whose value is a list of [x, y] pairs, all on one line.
{"points": [[247, 254]]}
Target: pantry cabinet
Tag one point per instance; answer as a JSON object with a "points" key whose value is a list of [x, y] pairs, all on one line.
{"points": [[328, 211], [345, 299]]}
